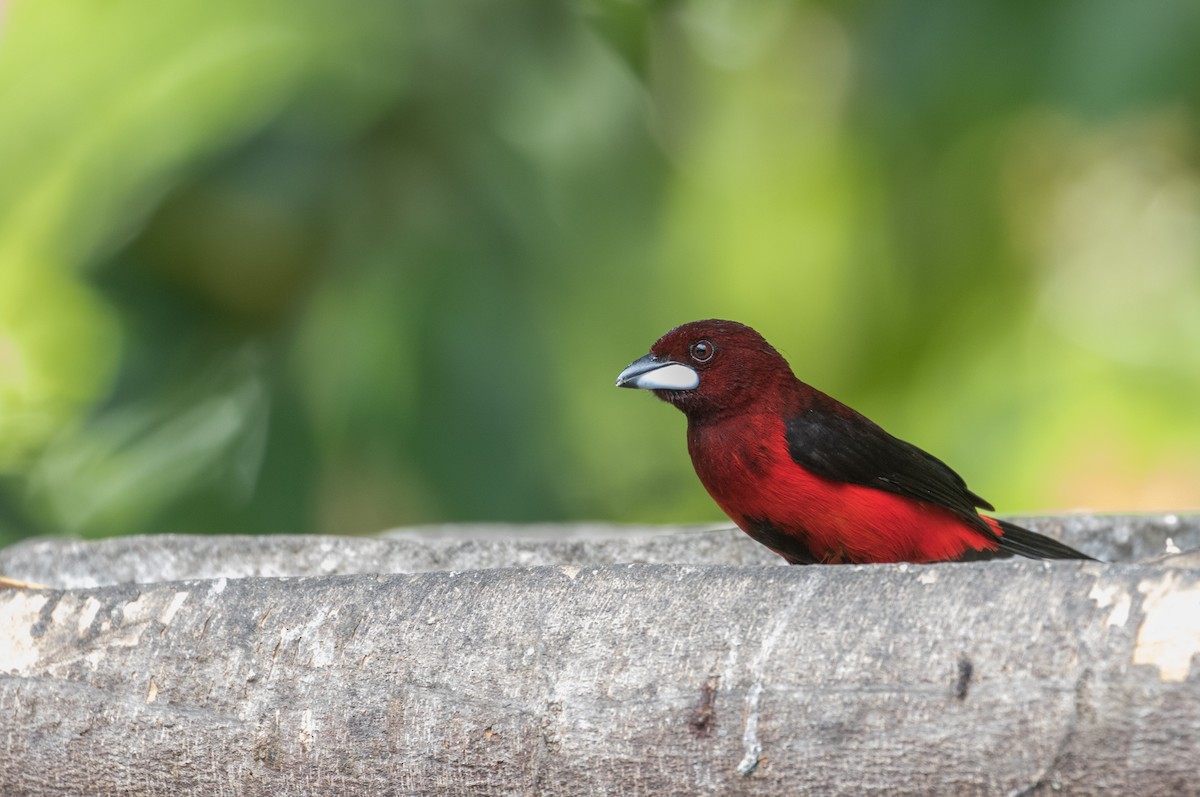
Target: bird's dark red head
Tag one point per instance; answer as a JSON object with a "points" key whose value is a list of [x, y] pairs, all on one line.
{"points": [[708, 367]]}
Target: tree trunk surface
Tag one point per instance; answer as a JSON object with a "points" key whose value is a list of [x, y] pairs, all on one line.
{"points": [[596, 661]]}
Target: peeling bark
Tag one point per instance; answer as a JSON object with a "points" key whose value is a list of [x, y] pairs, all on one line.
{"points": [[990, 678]]}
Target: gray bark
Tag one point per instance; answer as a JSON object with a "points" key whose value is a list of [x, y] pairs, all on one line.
{"points": [[579, 676], [71, 564]]}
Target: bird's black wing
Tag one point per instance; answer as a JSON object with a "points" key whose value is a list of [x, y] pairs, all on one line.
{"points": [[833, 441]]}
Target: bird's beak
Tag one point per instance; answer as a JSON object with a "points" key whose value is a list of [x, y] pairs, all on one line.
{"points": [[651, 373]]}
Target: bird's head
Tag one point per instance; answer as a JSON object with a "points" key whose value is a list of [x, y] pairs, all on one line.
{"points": [[708, 367]]}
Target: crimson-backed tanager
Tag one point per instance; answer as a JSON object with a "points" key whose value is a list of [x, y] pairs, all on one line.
{"points": [[805, 475]]}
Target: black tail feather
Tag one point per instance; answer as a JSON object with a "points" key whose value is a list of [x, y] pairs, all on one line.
{"points": [[1023, 542]]}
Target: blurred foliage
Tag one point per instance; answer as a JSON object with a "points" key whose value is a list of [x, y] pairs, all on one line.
{"points": [[299, 266]]}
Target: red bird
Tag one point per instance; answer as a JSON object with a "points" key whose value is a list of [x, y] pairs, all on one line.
{"points": [[805, 475]]}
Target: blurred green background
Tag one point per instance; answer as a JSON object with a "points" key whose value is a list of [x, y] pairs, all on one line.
{"points": [[277, 266]]}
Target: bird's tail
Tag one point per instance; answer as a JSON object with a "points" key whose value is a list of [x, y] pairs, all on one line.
{"points": [[1019, 541]]}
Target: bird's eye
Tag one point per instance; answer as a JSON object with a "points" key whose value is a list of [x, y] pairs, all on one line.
{"points": [[702, 351]]}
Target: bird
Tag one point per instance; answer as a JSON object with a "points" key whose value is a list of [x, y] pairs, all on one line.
{"points": [[807, 476]]}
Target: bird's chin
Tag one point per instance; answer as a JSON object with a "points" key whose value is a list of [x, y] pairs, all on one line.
{"points": [[670, 396], [682, 399]]}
